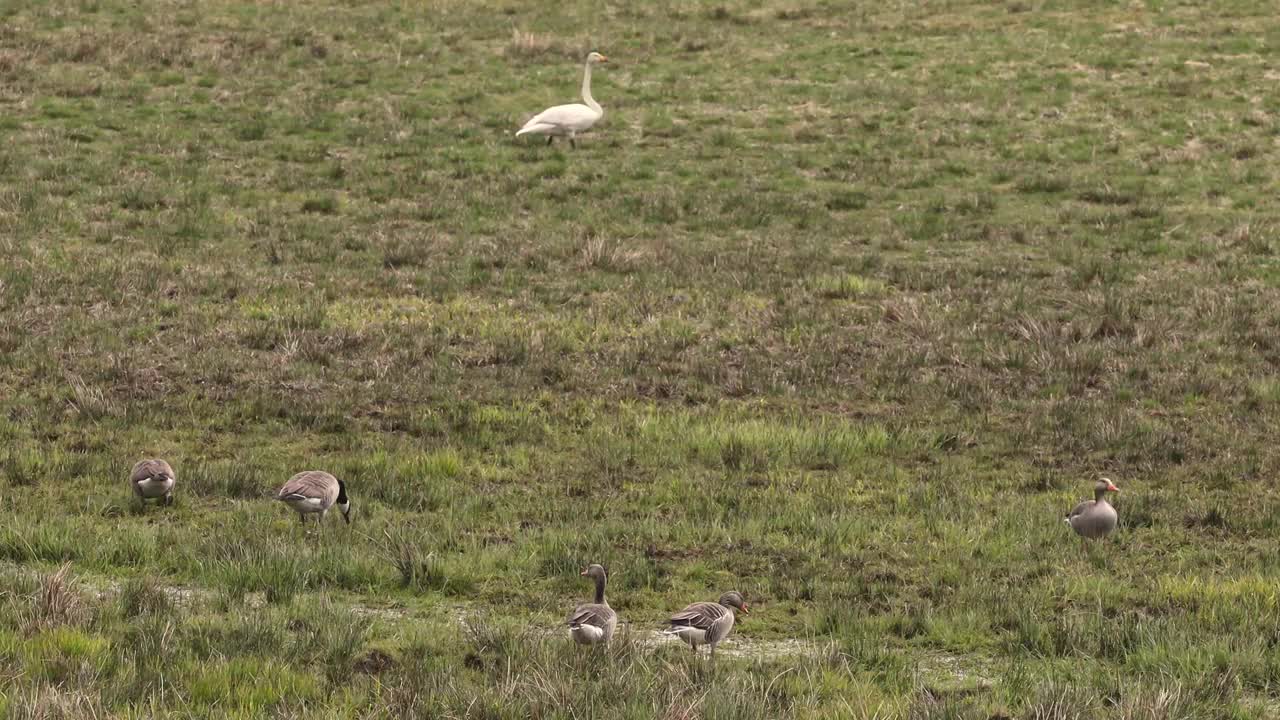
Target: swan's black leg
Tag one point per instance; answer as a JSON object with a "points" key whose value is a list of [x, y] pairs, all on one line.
{"points": [[573, 143], [550, 139]]}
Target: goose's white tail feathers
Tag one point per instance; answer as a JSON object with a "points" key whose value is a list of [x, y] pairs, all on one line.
{"points": [[691, 635], [586, 634]]}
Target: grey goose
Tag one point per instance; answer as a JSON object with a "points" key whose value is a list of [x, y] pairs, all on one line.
{"points": [[594, 622], [707, 623], [1095, 519]]}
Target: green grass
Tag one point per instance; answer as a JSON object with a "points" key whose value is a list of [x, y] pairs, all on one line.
{"points": [[842, 305]]}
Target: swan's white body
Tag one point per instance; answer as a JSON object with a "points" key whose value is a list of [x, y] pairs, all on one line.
{"points": [[562, 120], [568, 120]]}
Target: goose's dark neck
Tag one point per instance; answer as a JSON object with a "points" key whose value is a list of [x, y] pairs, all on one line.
{"points": [[599, 590], [1100, 495]]}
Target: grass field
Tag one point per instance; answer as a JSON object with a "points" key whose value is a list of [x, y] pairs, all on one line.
{"points": [[842, 305]]}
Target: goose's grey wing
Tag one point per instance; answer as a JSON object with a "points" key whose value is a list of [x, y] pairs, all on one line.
{"points": [[1080, 508], [311, 484], [591, 614], [720, 628], [700, 615], [148, 469]]}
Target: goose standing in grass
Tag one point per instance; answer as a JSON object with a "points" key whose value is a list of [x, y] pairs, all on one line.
{"points": [[707, 623], [568, 120], [1095, 519], [153, 480], [594, 622], [313, 492]]}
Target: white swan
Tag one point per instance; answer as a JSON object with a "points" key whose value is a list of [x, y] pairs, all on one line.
{"points": [[568, 120]]}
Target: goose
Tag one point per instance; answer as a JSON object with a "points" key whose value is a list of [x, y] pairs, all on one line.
{"points": [[1095, 519], [593, 622], [707, 623], [314, 492], [153, 479], [569, 120]]}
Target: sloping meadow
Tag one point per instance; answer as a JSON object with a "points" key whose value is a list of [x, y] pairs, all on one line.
{"points": [[843, 305]]}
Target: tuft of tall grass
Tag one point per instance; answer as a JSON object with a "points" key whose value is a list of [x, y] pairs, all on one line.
{"points": [[57, 603], [424, 570], [52, 540], [757, 445], [258, 685], [239, 478], [144, 596], [417, 482], [328, 636]]}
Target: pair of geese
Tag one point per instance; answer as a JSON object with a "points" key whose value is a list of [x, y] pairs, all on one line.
{"points": [[701, 623], [311, 492]]}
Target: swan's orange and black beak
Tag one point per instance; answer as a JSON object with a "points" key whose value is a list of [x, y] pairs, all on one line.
{"points": [[604, 59]]}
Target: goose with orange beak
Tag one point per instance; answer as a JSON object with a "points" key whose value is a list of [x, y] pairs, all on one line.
{"points": [[707, 623], [1095, 519], [594, 622]]}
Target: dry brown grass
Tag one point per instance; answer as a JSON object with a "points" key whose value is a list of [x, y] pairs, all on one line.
{"points": [[525, 44], [51, 702], [57, 603]]}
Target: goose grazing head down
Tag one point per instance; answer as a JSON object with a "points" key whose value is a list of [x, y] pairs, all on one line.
{"points": [[153, 479], [313, 492], [594, 622], [1095, 519], [569, 120], [344, 502], [733, 600]]}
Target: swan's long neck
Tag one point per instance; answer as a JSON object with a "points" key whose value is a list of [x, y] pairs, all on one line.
{"points": [[599, 579], [586, 90]]}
